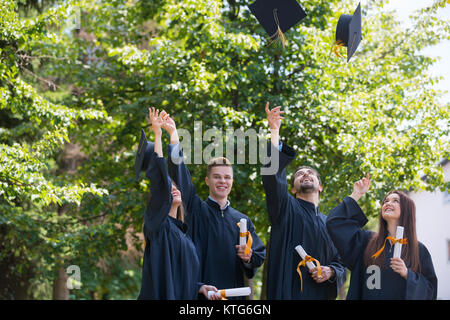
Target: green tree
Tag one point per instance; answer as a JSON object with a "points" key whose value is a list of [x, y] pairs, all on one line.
{"points": [[33, 131]]}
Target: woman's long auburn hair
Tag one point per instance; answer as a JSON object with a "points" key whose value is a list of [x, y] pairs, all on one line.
{"points": [[410, 251], [180, 211]]}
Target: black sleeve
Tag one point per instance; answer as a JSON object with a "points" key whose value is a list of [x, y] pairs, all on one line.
{"points": [[182, 177], [422, 285], [344, 225], [160, 188], [275, 185]]}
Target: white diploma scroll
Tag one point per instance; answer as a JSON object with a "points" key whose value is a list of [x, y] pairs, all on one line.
{"points": [[227, 293], [243, 229], [398, 245], [303, 254]]}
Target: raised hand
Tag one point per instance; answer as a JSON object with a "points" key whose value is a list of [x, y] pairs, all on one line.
{"points": [[155, 120], [169, 124], [274, 117], [360, 187]]}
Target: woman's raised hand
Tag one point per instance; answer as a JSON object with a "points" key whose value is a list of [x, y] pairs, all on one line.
{"points": [[360, 187], [168, 124], [155, 120]]}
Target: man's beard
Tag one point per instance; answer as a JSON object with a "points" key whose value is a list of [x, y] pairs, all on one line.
{"points": [[306, 188]]}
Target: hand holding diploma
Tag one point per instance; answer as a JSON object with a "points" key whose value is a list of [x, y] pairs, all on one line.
{"points": [[228, 293], [244, 248], [206, 289], [241, 253], [397, 264], [308, 261], [398, 244], [327, 274]]}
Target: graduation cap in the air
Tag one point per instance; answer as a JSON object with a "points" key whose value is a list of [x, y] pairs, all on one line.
{"points": [[348, 31], [144, 151], [277, 16]]}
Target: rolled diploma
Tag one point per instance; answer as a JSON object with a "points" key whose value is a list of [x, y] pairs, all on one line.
{"points": [[302, 254], [235, 292], [398, 246], [243, 229]]}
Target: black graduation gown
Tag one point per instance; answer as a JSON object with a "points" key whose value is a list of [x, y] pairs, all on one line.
{"points": [[215, 233], [171, 268], [344, 225], [295, 221]]}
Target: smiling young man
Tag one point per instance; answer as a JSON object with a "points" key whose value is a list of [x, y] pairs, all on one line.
{"points": [[296, 220], [213, 222]]}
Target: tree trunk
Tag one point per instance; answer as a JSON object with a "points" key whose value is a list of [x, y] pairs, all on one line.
{"points": [[60, 290], [71, 158]]}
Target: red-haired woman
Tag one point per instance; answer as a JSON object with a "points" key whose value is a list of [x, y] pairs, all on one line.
{"points": [[375, 273]]}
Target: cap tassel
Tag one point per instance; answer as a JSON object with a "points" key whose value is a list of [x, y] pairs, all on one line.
{"points": [[278, 35], [336, 46]]}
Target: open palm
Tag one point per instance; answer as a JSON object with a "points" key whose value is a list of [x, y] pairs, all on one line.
{"points": [[168, 124]]}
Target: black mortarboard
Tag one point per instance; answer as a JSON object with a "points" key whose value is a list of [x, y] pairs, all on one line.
{"points": [[348, 31], [277, 15], [144, 151]]}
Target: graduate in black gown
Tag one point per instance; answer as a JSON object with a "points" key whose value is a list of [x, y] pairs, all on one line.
{"points": [[297, 220], [171, 268], [213, 222], [375, 274]]}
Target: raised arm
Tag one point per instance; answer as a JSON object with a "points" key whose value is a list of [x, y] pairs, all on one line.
{"points": [[177, 168], [275, 185], [274, 118], [345, 222], [160, 186], [156, 122]]}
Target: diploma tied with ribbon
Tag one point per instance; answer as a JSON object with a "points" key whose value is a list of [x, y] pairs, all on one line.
{"points": [[243, 234], [307, 261], [398, 241], [228, 293], [398, 244]]}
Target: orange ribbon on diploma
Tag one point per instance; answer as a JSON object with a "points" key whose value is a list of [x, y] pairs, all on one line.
{"points": [[307, 261], [393, 241], [303, 264], [249, 243]]}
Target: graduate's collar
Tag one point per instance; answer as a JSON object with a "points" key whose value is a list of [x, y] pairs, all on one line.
{"points": [[215, 204], [310, 205], [181, 225]]}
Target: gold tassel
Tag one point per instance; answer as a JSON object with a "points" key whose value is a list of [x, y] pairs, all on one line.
{"points": [[278, 35], [337, 44]]}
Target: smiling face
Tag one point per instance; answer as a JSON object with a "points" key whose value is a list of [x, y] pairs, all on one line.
{"points": [[220, 180], [176, 195], [306, 180], [390, 208]]}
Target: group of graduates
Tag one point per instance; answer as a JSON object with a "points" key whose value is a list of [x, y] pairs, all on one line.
{"points": [[192, 245]]}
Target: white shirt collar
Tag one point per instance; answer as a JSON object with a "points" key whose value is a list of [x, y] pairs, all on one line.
{"points": [[226, 206]]}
